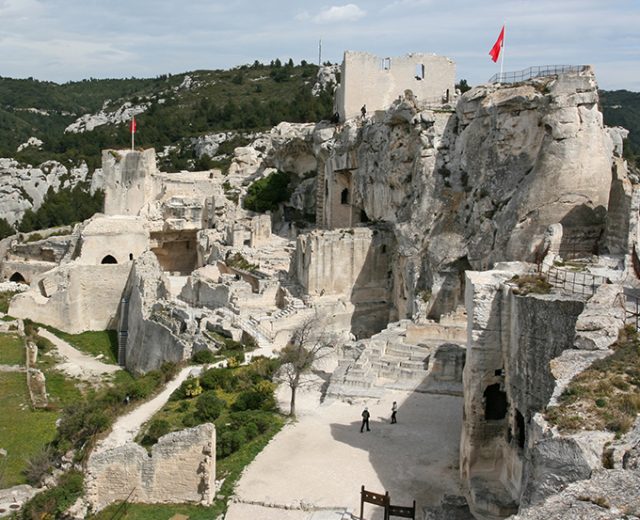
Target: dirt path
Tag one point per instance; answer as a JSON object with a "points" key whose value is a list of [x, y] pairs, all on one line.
{"points": [[321, 460], [78, 364], [127, 426]]}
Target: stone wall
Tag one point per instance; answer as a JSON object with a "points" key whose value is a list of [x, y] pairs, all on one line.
{"points": [[74, 297], [377, 82], [179, 469], [121, 238], [351, 264]]}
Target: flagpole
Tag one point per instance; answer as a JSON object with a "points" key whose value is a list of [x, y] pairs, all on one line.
{"points": [[132, 140], [504, 37]]}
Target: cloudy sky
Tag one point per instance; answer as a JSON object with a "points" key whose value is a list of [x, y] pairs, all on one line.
{"points": [[62, 40]]}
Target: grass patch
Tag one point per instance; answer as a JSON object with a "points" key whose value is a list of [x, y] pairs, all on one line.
{"points": [[606, 396], [5, 298], [531, 284], [159, 512], [103, 342], [11, 350], [23, 432]]}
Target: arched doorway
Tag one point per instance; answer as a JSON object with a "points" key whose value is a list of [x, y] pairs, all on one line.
{"points": [[109, 260], [17, 277]]}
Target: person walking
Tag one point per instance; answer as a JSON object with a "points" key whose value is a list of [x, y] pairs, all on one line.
{"points": [[363, 111], [365, 420], [394, 410]]}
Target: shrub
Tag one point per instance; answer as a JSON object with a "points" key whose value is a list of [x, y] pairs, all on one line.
{"points": [[203, 357], [39, 465], [157, 429], [267, 194], [229, 442], [189, 388], [253, 400], [219, 378], [53, 502], [209, 406]]}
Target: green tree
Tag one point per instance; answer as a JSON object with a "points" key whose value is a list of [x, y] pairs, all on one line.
{"points": [[268, 193], [463, 86], [6, 229]]}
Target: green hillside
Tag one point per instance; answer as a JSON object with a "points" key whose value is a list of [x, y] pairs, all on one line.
{"points": [[622, 108], [254, 97]]}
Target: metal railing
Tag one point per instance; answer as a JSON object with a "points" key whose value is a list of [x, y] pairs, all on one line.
{"points": [[535, 72], [575, 281]]}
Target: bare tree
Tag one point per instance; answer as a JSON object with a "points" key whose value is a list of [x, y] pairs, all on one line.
{"points": [[307, 344]]}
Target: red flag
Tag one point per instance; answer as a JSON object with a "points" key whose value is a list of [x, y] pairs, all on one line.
{"points": [[133, 125], [497, 47]]}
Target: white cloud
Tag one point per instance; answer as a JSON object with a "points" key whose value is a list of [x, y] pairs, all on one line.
{"points": [[340, 13]]}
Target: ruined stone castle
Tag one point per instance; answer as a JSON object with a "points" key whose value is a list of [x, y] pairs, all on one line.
{"points": [[422, 213]]}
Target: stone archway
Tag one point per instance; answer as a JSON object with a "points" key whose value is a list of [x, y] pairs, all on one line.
{"points": [[109, 259], [17, 277]]}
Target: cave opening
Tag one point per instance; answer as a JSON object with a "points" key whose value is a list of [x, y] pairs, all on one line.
{"points": [[17, 277], [495, 403]]}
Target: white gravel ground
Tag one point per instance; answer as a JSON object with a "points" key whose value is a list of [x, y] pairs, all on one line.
{"points": [[322, 459]]}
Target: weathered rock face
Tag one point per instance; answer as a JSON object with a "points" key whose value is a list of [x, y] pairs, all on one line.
{"points": [[467, 188], [24, 187], [151, 339], [609, 495], [179, 469], [522, 352]]}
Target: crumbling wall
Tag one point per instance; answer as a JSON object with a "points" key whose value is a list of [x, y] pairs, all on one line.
{"points": [[376, 82], [353, 265], [179, 469], [127, 177], [74, 297], [150, 339]]}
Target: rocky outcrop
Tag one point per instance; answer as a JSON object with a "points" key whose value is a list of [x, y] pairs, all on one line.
{"points": [[609, 495], [464, 188], [24, 187], [123, 114], [156, 329], [179, 469]]}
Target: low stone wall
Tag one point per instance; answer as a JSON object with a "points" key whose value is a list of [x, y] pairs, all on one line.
{"points": [[180, 469]]}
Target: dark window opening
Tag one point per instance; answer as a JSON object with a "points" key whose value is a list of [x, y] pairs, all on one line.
{"points": [[326, 188], [109, 260], [495, 403], [247, 242], [130, 256], [344, 196], [499, 372], [520, 429], [363, 216], [384, 249], [18, 278]]}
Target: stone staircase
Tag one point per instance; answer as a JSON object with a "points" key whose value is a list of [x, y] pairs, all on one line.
{"points": [[405, 356]]}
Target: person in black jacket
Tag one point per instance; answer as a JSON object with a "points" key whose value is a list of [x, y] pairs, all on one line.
{"points": [[365, 420]]}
